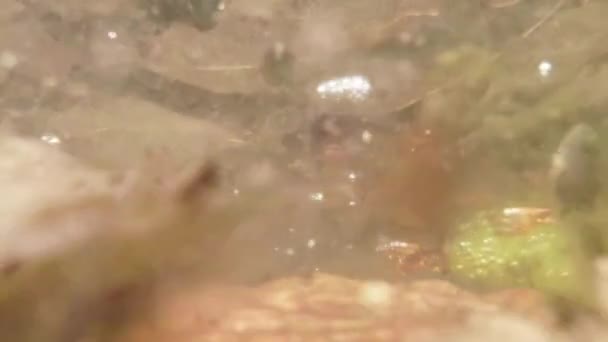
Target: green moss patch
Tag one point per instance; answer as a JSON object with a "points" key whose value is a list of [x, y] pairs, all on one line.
{"points": [[547, 256]]}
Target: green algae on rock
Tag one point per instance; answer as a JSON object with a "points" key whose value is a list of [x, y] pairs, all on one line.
{"points": [[547, 254]]}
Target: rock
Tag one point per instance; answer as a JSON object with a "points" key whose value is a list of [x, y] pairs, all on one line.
{"points": [[119, 132], [199, 13], [327, 307], [10, 8], [574, 170], [29, 51], [224, 60], [84, 238], [34, 174], [601, 266], [503, 328], [73, 9], [113, 50]]}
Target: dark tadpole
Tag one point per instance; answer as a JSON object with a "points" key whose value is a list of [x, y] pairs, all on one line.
{"points": [[574, 169], [277, 65], [197, 183]]}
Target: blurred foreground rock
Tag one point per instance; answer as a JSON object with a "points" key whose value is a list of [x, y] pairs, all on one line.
{"points": [[326, 307], [74, 239]]}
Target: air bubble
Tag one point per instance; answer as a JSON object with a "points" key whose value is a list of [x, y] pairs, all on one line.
{"points": [[544, 68], [51, 139]]}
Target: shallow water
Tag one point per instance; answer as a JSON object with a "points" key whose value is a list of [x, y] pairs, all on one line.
{"points": [[362, 121]]}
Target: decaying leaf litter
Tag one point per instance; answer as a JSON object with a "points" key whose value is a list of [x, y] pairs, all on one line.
{"points": [[110, 227]]}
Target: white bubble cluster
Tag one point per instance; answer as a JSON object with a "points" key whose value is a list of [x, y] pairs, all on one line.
{"points": [[51, 139], [355, 88], [317, 196]]}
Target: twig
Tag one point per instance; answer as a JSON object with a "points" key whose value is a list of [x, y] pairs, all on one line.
{"points": [[544, 19], [419, 99]]}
